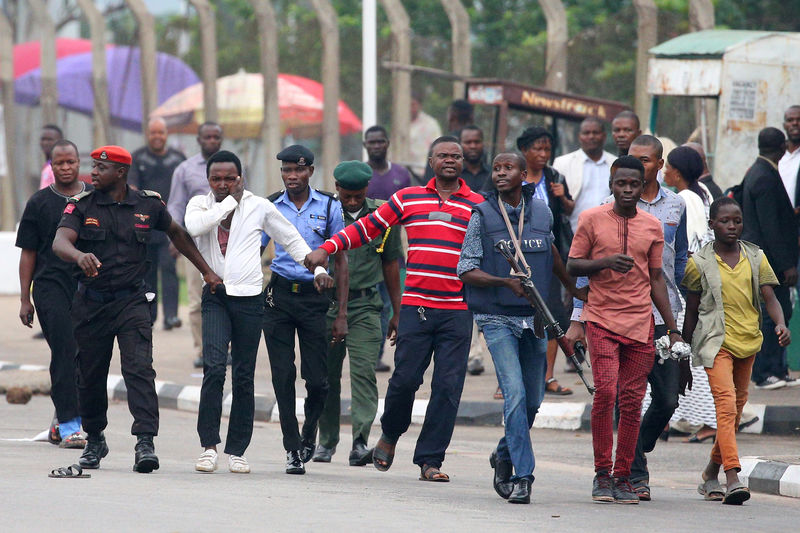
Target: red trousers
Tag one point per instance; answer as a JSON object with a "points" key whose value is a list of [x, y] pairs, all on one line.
{"points": [[619, 366]]}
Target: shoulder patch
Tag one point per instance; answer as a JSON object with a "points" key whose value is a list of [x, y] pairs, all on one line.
{"points": [[150, 194], [329, 194], [274, 196], [79, 196]]}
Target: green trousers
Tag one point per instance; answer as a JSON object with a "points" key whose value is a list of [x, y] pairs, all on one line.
{"points": [[362, 343]]}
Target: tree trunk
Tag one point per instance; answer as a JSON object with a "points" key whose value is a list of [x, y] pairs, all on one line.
{"points": [[147, 58], [101, 113], [557, 35], [49, 98], [7, 180], [401, 80], [646, 38], [701, 17], [271, 123], [461, 50], [208, 50]]}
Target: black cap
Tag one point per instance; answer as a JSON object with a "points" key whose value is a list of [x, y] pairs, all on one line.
{"points": [[297, 153]]}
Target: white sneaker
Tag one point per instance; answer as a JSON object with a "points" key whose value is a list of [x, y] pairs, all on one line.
{"points": [[207, 462], [238, 464], [791, 382], [771, 383]]}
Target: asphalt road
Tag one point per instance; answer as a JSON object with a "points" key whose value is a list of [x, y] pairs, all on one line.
{"points": [[337, 497]]}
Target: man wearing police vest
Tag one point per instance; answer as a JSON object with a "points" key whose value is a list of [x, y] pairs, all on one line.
{"points": [[512, 214]]}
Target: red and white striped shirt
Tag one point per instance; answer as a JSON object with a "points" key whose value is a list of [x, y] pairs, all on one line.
{"points": [[436, 230]]}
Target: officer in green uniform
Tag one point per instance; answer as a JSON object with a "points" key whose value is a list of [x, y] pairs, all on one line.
{"points": [[368, 266]]}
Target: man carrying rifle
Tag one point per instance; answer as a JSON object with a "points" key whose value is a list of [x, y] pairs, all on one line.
{"points": [[511, 214]]}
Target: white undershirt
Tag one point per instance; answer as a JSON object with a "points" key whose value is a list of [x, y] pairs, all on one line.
{"points": [[788, 167]]}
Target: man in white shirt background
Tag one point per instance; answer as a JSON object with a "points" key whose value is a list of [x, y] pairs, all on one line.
{"points": [[587, 169], [789, 165], [227, 224]]}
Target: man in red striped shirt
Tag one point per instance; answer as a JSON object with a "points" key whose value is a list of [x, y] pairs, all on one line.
{"points": [[433, 318]]}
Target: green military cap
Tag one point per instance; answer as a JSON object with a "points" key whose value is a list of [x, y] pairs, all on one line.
{"points": [[352, 175]]}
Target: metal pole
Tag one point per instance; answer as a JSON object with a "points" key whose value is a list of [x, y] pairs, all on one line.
{"points": [[49, 97], [101, 114], [147, 58], [369, 64], [646, 38], [7, 180], [331, 142], [461, 49], [556, 57], [270, 125], [401, 80], [208, 51]]}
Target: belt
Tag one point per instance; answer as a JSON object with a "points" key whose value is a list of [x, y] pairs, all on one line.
{"points": [[361, 293], [107, 296], [293, 286]]}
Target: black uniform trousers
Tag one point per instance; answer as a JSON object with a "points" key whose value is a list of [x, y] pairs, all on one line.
{"points": [[234, 320], [664, 380], [285, 313], [53, 305], [771, 360], [445, 336], [97, 324], [161, 261]]}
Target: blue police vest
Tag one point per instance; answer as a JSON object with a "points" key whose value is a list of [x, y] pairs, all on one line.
{"points": [[536, 244]]}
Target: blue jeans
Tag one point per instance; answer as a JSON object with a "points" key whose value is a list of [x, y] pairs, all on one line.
{"points": [[521, 364]]}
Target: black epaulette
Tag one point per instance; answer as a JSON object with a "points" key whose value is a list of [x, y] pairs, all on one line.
{"points": [[150, 194], [329, 194], [274, 196], [83, 194]]}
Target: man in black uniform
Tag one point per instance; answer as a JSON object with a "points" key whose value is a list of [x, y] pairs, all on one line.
{"points": [[152, 170], [53, 289], [105, 232]]}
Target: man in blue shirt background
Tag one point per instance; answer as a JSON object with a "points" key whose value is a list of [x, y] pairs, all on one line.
{"points": [[295, 302]]}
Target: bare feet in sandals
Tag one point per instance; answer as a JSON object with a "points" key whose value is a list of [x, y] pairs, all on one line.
{"points": [[383, 453], [432, 473]]}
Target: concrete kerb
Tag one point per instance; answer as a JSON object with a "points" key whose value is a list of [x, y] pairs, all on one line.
{"points": [[772, 475]]}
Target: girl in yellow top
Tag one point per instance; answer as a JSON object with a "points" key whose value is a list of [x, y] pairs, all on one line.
{"points": [[724, 280]]}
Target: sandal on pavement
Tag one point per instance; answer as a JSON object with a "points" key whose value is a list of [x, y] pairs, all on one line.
{"points": [[557, 390], [207, 462], [74, 471], [498, 394], [711, 490], [737, 494], [238, 464], [383, 454], [432, 473], [693, 438], [76, 441]]}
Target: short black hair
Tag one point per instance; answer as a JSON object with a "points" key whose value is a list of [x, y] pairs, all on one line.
{"points": [[523, 165], [596, 120], [793, 106], [627, 161], [471, 127], [771, 141], [629, 114], [223, 156], [462, 109], [445, 139], [67, 142], [533, 134], [719, 203], [54, 128], [209, 124], [649, 140], [373, 129]]}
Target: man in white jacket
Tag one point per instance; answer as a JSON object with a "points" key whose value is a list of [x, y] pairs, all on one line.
{"points": [[587, 169], [226, 225]]}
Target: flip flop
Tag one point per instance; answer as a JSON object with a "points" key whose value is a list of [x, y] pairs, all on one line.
{"points": [[74, 471], [693, 438], [380, 455], [432, 473], [737, 494], [498, 394], [558, 391], [711, 490]]}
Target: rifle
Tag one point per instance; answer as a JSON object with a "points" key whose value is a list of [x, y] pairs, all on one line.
{"points": [[543, 313]]}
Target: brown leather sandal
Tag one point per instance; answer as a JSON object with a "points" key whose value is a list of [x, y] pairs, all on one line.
{"points": [[432, 473], [383, 454], [552, 387]]}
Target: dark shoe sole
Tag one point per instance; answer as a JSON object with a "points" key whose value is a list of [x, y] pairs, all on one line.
{"points": [[146, 465], [94, 466], [736, 498], [321, 459], [296, 471], [361, 460], [521, 500], [503, 494]]}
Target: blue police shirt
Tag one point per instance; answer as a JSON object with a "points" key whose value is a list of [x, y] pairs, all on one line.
{"points": [[314, 223]]}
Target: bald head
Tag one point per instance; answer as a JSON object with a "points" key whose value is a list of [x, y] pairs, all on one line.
{"points": [[157, 135]]}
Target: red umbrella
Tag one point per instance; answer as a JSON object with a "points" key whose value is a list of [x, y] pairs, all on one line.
{"points": [[28, 55]]}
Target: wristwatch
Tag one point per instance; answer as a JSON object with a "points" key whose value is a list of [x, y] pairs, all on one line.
{"points": [[671, 331]]}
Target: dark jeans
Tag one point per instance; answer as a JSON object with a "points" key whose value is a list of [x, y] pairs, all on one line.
{"points": [[96, 326], [386, 314], [160, 260], [445, 336], [663, 380], [53, 306], [303, 313], [235, 320], [771, 360]]}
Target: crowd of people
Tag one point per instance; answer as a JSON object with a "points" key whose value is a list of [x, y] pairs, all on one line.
{"points": [[639, 255]]}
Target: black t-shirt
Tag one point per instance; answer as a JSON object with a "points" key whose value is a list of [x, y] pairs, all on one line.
{"points": [[36, 232], [154, 172], [117, 234]]}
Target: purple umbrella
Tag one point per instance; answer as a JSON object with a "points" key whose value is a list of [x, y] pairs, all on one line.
{"points": [[74, 79]]}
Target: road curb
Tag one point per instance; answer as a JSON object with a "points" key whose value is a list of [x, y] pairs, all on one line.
{"points": [[779, 476]]}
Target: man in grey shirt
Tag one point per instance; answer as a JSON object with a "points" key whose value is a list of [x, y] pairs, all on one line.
{"points": [[190, 180]]}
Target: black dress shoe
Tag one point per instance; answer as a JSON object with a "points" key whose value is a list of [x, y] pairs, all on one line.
{"points": [[307, 449], [380, 366], [323, 454], [146, 460], [172, 322], [198, 363], [522, 491], [360, 455], [502, 476], [96, 448], [294, 465]]}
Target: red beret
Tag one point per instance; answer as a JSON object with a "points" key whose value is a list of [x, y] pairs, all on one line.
{"points": [[116, 154]]}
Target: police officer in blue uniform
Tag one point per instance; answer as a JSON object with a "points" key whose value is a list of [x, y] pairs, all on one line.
{"points": [[106, 232], [295, 302]]}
